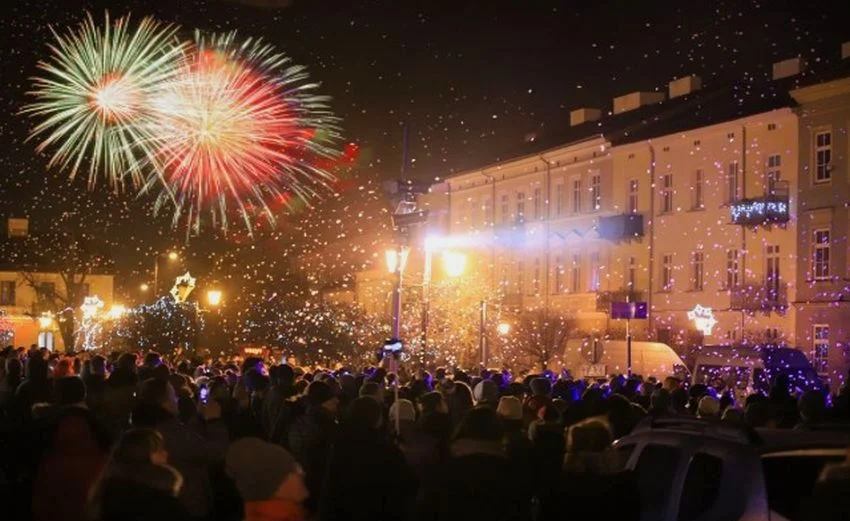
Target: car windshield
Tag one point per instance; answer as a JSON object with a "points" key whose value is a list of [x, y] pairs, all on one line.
{"points": [[790, 478], [722, 377]]}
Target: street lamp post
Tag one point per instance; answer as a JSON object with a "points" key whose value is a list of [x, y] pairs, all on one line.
{"points": [[482, 340], [396, 261]]}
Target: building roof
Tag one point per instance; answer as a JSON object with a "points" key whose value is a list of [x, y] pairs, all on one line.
{"points": [[710, 105]]}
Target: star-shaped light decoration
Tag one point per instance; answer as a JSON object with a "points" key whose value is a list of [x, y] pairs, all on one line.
{"points": [[703, 319], [91, 306], [183, 286]]}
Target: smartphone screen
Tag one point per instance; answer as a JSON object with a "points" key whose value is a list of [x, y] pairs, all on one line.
{"points": [[204, 394]]}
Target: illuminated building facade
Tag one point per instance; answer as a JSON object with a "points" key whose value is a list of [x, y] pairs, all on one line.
{"points": [[823, 270]]}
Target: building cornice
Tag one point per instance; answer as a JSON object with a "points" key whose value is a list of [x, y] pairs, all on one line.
{"points": [[821, 91]]}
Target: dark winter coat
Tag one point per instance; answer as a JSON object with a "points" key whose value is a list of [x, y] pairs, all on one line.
{"points": [[367, 479], [477, 482], [607, 496], [192, 450], [310, 440], [145, 493]]}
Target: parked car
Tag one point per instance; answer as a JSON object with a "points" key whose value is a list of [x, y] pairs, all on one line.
{"points": [[689, 469]]}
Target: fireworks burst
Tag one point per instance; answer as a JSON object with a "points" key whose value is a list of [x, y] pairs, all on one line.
{"points": [[238, 124], [91, 99]]}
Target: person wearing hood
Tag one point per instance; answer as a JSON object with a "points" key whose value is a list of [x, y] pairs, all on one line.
{"points": [[193, 448], [269, 480], [72, 460], [486, 393], [312, 436], [472, 484], [388, 493], [137, 483]]}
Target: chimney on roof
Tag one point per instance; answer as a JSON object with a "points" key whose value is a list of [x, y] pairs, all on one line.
{"points": [[636, 100], [579, 116], [845, 50], [685, 86], [788, 68]]}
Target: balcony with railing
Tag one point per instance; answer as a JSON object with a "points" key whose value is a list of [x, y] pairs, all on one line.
{"points": [[604, 299], [759, 297], [621, 227], [773, 207]]}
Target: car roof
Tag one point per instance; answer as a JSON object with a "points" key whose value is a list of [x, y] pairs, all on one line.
{"points": [[822, 437]]}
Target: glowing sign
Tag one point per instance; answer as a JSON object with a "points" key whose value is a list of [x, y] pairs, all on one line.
{"points": [[759, 211], [703, 319]]}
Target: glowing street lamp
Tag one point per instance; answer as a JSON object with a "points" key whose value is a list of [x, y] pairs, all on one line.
{"points": [[144, 287], [45, 321], [503, 329], [117, 311], [214, 297], [173, 256], [396, 259], [454, 263]]}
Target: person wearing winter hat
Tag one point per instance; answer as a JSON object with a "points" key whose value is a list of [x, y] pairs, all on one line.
{"points": [[709, 408], [269, 480], [486, 393]]}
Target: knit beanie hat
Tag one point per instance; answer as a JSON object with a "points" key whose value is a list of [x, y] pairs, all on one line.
{"points": [[709, 407], [407, 412], [258, 468], [510, 408], [319, 393], [486, 392]]}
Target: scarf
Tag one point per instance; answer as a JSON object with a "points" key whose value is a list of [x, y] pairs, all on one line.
{"points": [[274, 510]]}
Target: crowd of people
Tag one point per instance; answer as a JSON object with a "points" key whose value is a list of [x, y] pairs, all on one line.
{"points": [[132, 436]]}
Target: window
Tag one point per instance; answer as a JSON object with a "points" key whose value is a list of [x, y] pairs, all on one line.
{"points": [[46, 291], [594, 271], [596, 192], [702, 486], [504, 277], [732, 188], [7, 292], [771, 273], [575, 285], [485, 210], [520, 205], [667, 272], [537, 201], [559, 275], [699, 179], [631, 273], [820, 351], [506, 208], [560, 198], [773, 173], [655, 471], [520, 276], [633, 195], [771, 127], [698, 264], [576, 195], [732, 269], [820, 256], [45, 340], [823, 157], [535, 279], [667, 193], [473, 212], [790, 479]]}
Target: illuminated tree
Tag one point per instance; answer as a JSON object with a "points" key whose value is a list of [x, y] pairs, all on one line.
{"points": [[539, 335]]}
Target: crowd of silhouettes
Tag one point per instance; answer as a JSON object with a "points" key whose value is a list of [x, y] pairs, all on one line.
{"points": [[134, 436]]}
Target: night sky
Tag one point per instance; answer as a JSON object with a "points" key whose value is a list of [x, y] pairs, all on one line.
{"points": [[472, 80]]}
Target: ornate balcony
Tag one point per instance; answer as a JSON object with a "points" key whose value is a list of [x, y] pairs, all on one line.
{"points": [[621, 227], [605, 298], [759, 297], [771, 208]]}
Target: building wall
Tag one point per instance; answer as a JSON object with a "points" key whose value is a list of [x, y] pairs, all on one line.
{"points": [[824, 299], [23, 312], [544, 254]]}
